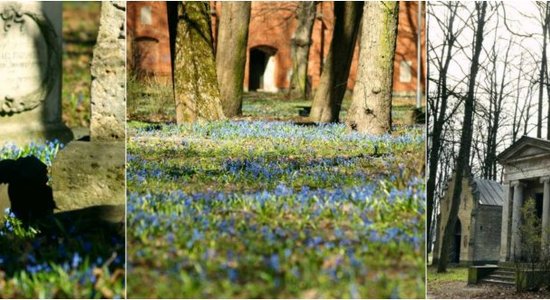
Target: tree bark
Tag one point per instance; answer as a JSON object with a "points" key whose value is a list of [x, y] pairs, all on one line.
{"points": [[231, 54], [333, 83], [370, 109], [305, 14], [195, 85], [462, 164]]}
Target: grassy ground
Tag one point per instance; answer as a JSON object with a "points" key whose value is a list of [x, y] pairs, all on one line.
{"points": [[80, 26], [61, 257], [454, 285], [153, 102], [249, 208]]}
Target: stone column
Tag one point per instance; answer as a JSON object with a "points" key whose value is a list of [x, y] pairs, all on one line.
{"points": [[515, 247], [504, 246], [545, 213]]}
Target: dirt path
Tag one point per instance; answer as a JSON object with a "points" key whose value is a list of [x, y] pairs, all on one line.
{"points": [[460, 290]]}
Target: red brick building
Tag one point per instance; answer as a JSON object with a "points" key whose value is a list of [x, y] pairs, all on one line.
{"points": [[272, 25]]}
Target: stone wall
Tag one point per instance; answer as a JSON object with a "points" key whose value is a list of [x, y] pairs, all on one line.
{"points": [[465, 217], [486, 242]]}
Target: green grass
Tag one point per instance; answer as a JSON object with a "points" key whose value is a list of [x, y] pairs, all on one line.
{"points": [[256, 209], [153, 101], [80, 27], [453, 274]]}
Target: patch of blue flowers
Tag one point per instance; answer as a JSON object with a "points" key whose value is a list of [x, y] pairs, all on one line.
{"points": [[273, 209], [45, 152], [223, 130]]}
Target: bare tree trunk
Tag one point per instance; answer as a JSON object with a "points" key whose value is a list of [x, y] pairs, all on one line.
{"points": [[462, 164], [440, 114], [332, 87], [517, 118], [547, 83], [195, 85], [305, 14], [370, 109], [543, 66], [231, 55]]}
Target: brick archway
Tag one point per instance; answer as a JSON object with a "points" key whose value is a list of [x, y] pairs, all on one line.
{"points": [[261, 68]]}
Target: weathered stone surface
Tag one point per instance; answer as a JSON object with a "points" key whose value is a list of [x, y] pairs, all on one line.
{"points": [[30, 72], [4, 198], [108, 94], [478, 223], [89, 173]]}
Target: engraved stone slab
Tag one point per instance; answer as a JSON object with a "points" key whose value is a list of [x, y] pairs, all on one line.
{"points": [[30, 72]]}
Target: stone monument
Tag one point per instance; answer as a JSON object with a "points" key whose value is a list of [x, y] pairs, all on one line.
{"points": [[30, 73], [92, 173]]}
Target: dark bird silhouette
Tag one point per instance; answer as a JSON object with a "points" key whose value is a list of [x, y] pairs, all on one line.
{"points": [[30, 196]]}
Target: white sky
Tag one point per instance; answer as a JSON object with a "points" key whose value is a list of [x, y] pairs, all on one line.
{"points": [[522, 18]]}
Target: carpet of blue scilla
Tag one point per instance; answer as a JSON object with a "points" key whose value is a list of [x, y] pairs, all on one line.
{"points": [[59, 263], [272, 209]]}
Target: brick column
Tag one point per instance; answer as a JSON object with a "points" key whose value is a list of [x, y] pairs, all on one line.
{"points": [[515, 247], [545, 213]]}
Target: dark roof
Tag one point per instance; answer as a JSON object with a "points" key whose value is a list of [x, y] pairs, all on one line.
{"points": [[488, 192], [521, 143]]}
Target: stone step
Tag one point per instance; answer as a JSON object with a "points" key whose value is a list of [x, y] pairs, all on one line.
{"points": [[497, 281], [504, 273], [502, 277]]}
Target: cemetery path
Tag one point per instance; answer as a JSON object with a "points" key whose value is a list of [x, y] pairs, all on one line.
{"points": [[460, 290]]}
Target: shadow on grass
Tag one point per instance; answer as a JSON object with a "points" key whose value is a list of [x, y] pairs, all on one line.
{"points": [[93, 236]]}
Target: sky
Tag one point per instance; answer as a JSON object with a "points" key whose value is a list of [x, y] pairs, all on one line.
{"points": [[518, 22]]}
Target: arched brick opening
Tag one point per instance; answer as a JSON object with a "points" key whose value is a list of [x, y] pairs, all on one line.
{"points": [[261, 68]]}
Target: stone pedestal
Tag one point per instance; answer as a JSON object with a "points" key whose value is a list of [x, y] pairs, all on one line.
{"points": [[92, 173], [88, 174], [30, 73]]}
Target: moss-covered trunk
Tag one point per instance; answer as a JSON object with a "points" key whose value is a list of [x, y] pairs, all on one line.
{"points": [[231, 54], [305, 14], [195, 84], [332, 87], [370, 110]]}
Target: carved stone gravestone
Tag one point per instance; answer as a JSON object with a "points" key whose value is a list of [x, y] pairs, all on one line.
{"points": [[30, 73], [92, 173]]}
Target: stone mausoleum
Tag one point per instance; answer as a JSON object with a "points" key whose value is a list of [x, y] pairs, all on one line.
{"points": [[476, 239], [526, 166]]}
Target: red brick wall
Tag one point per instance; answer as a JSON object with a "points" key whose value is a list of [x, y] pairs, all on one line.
{"points": [[148, 41], [272, 24]]}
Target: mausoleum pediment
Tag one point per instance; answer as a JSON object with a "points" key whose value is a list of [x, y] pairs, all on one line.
{"points": [[525, 148]]}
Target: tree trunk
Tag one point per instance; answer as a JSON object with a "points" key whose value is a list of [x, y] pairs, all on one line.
{"points": [[439, 118], [231, 55], [195, 85], [370, 109], [305, 14], [332, 87], [547, 82], [462, 164], [542, 73]]}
